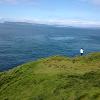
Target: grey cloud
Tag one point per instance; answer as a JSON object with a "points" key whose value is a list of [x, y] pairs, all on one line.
{"points": [[95, 2]]}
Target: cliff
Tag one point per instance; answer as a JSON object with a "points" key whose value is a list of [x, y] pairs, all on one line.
{"points": [[53, 78]]}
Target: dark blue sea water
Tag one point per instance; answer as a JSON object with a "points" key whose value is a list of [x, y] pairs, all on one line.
{"points": [[22, 42]]}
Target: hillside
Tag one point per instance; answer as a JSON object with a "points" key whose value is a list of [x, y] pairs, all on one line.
{"points": [[53, 78]]}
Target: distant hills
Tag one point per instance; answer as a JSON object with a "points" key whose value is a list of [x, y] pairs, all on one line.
{"points": [[3, 22], [57, 23], [19, 27]]}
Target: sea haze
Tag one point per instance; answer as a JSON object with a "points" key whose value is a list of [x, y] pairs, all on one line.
{"points": [[23, 42]]}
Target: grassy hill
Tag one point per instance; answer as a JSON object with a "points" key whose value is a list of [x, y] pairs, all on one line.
{"points": [[53, 78]]}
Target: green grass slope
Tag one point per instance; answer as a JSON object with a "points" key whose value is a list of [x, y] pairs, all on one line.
{"points": [[53, 78]]}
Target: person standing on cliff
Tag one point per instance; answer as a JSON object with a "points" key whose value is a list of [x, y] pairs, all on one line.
{"points": [[81, 51]]}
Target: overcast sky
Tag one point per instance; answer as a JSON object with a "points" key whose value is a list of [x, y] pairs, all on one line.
{"points": [[66, 12]]}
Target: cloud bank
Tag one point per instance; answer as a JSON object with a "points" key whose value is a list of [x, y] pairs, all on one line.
{"points": [[17, 1], [71, 22], [96, 2]]}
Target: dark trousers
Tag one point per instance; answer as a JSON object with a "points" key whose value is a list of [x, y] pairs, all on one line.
{"points": [[81, 54]]}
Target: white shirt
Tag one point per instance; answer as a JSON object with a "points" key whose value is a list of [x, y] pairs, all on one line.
{"points": [[81, 50]]}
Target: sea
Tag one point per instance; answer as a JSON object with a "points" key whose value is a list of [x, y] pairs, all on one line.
{"points": [[24, 42]]}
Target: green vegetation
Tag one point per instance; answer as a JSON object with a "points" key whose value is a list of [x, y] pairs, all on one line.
{"points": [[53, 78]]}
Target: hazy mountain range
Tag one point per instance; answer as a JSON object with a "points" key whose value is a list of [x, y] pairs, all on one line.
{"points": [[58, 23]]}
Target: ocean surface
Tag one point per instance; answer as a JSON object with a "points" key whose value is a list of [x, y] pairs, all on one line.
{"points": [[23, 42]]}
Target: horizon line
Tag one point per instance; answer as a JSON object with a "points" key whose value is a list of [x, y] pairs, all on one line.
{"points": [[56, 22]]}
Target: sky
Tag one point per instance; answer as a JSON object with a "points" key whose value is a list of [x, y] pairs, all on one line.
{"points": [[62, 12]]}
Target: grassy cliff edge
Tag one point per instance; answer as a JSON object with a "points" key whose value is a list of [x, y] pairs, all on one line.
{"points": [[53, 78]]}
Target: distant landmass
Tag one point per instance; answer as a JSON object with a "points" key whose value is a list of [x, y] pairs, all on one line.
{"points": [[42, 24]]}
